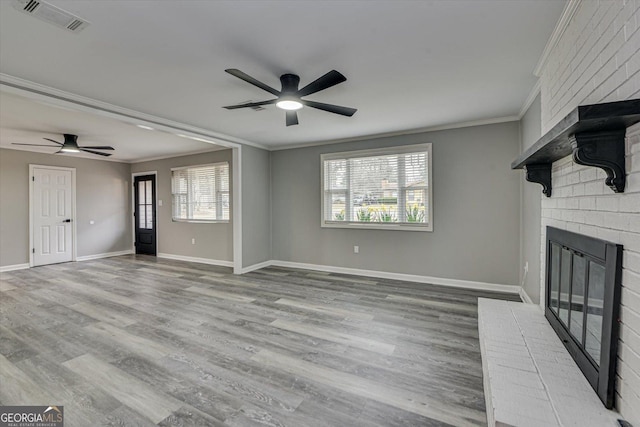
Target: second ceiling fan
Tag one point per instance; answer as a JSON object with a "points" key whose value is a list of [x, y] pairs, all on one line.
{"points": [[289, 98], [70, 145]]}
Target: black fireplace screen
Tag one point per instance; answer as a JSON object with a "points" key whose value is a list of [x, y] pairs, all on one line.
{"points": [[583, 302]]}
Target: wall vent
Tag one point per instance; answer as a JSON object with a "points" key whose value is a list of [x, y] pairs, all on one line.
{"points": [[51, 14]]}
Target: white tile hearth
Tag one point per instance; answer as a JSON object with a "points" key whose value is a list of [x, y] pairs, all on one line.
{"points": [[529, 377]]}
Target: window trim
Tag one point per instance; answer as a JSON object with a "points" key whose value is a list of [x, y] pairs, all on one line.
{"points": [[202, 221], [402, 149]]}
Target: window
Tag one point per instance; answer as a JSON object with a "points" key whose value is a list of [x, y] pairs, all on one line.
{"points": [[201, 193], [388, 188]]}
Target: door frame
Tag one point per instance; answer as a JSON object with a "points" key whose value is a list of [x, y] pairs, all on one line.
{"points": [[74, 246], [133, 208]]}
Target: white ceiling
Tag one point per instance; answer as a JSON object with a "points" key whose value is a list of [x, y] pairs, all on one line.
{"points": [[26, 121], [409, 64]]}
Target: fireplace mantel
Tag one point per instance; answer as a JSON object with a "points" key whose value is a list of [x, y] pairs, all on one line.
{"points": [[594, 134]]}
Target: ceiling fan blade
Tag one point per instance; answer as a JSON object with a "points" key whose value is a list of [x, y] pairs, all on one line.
{"points": [[332, 78], [99, 147], [94, 152], [251, 104], [337, 109], [247, 78], [292, 118], [34, 145], [49, 139]]}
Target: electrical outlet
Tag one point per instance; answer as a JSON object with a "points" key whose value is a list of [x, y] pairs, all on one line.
{"points": [[526, 267], [356, 249], [159, 202], [193, 241]]}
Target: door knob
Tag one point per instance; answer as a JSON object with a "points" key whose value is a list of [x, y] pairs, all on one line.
{"points": [[66, 220]]}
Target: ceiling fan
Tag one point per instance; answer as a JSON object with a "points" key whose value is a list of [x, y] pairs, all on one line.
{"points": [[290, 97], [70, 145]]}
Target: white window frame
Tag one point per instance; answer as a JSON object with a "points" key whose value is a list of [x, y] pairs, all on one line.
{"points": [[218, 195], [379, 152]]}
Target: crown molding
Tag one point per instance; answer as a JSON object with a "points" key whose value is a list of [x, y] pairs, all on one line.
{"points": [[567, 14], [173, 156], [535, 90], [36, 91], [458, 125]]}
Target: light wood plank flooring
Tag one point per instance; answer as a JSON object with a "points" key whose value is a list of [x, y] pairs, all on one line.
{"points": [[139, 341]]}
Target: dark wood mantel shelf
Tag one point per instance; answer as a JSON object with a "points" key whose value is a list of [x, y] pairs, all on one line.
{"points": [[594, 134]]}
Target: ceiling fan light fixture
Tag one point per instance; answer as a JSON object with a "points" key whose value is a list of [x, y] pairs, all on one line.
{"points": [[290, 97], [70, 145], [69, 150], [289, 104]]}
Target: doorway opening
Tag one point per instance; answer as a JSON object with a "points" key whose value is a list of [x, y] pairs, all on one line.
{"points": [[144, 213]]}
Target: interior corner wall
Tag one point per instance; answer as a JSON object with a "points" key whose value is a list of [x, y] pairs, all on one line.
{"points": [[530, 132], [476, 199], [102, 196], [596, 60], [213, 241], [256, 205]]}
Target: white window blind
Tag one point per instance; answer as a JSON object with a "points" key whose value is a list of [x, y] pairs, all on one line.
{"points": [[201, 193], [381, 188]]}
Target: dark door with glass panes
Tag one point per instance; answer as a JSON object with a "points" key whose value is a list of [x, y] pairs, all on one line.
{"points": [[144, 188]]}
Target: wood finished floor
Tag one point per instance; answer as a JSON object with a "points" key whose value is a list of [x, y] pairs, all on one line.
{"points": [[139, 341]]}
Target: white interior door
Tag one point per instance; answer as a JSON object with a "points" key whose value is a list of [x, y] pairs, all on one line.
{"points": [[52, 215]]}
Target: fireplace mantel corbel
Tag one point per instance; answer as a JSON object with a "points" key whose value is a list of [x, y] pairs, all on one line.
{"points": [[593, 134]]}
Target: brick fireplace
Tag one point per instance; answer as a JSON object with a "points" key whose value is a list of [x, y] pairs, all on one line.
{"points": [[582, 203], [593, 57], [587, 216]]}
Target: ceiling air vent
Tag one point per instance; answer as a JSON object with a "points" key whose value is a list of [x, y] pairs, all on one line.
{"points": [[51, 14]]}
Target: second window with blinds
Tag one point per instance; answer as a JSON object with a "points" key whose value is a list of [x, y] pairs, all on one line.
{"points": [[201, 193], [387, 188]]}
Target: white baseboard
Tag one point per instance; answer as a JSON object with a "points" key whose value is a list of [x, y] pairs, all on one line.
{"points": [[456, 283], [14, 267], [524, 296], [195, 259], [255, 267], [104, 255], [441, 281]]}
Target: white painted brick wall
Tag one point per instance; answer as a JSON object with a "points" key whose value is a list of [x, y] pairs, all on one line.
{"points": [[587, 206], [598, 60], [529, 377]]}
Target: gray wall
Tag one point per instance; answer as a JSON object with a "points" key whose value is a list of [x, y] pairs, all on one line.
{"points": [[476, 210], [102, 196], [530, 132], [214, 241], [531, 125], [256, 206]]}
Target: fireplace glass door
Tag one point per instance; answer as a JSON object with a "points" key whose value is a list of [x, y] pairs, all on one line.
{"points": [[582, 303], [576, 297], [595, 308]]}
